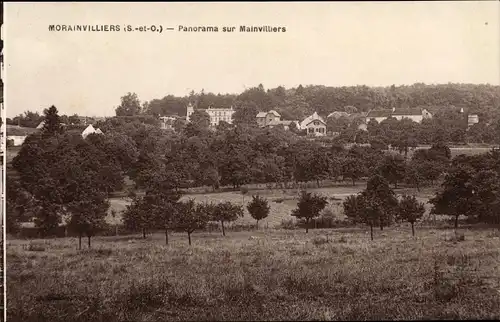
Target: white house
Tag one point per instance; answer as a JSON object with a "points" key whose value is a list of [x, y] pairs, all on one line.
{"points": [[90, 130], [414, 114], [314, 125]]}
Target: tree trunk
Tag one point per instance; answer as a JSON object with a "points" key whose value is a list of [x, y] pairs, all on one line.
{"points": [[395, 185], [80, 241], [223, 231], [189, 238], [116, 230], [353, 183], [371, 231], [381, 227], [257, 224], [166, 236], [317, 182], [456, 221], [412, 229], [418, 186], [88, 237], [307, 225], [144, 233]]}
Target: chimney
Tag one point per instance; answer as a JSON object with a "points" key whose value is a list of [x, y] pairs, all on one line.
{"points": [[393, 109]]}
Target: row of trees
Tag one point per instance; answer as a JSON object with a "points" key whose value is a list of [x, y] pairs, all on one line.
{"points": [[162, 209], [471, 188], [32, 119], [377, 205]]}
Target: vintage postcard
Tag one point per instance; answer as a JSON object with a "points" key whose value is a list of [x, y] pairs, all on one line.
{"points": [[251, 161]]}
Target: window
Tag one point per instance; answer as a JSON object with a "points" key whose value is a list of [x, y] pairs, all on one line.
{"points": [[311, 130]]}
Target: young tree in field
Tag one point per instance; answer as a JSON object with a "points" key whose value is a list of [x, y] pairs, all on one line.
{"points": [[360, 209], [353, 208], [226, 212], [52, 123], [381, 201], [87, 215], [309, 206], [243, 191], [191, 216], [258, 208], [410, 210], [164, 204], [456, 194], [139, 215]]}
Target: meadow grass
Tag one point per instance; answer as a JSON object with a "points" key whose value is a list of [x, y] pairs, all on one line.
{"points": [[336, 274]]}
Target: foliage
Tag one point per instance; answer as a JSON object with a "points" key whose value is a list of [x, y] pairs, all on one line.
{"points": [[309, 206], [258, 208], [410, 210], [52, 124], [129, 106], [226, 212], [191, 216]]}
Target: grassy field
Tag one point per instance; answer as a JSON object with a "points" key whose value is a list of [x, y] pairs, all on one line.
{"points": [[258, 275]]}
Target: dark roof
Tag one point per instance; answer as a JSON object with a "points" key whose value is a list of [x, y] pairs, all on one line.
{"points": [[379, 113], [408, 111]]}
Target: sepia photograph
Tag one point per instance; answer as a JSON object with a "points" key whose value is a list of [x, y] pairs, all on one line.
{"points": [[250, 161]]}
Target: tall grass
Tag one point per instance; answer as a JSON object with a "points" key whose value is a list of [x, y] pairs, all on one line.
{"points": [[286, 275]]}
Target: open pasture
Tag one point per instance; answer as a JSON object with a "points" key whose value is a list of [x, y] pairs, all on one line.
{"points": [[336, 274]]}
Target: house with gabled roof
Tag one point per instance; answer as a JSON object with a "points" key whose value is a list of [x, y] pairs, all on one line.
{"points": [[272, 119], [91, 130], [314, 125], [414, 114], [265, 118]]}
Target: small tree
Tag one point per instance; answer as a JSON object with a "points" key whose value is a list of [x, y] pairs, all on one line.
{"points": [[164, 205], [410, 210], [363, 209], [243, 191], [353, 208], [456, 195], [379, 196], [88, 216], [226, 211], [139, 215], [190, 217], [309, 206], [258, 208]]}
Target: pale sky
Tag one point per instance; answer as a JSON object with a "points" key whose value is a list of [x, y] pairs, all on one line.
{"points": [[332, 44]]}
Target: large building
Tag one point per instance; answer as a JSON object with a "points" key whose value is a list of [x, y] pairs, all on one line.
{"points": [[216, 114], [414, 114]]}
